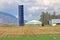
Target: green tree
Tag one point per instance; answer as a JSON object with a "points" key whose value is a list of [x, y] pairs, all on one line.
{"points": [[54, 15], [45, 17], [48, 17], [58, 16]]}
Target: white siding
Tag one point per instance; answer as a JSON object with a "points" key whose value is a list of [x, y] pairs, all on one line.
{"points": [[53, 22]]}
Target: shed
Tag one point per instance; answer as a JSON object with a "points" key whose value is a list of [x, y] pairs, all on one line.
{"points": [[54, 22]]}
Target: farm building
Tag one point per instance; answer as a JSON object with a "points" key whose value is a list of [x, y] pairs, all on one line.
{"points": [[34, 22], [54, 22], [7, 19]]}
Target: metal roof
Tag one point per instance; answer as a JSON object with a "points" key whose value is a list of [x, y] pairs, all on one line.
{"points": [[34, 22]]}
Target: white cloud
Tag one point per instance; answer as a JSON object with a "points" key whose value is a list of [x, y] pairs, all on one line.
{"points": [[30, 15], [33, 9], [8, 2], [47, 2], [42, 4], [38, 2], [1, 6], [2, 1]]}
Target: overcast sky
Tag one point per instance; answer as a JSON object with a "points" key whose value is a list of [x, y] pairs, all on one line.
{"points": [[32, 8]]}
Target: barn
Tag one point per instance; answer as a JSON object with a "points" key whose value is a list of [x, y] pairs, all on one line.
{"points": [[54, 22]]}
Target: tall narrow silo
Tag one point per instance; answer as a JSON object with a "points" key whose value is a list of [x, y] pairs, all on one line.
{"points": [[21, 15]]}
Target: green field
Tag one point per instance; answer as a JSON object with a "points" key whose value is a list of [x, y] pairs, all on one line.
{"points": [[35, 37]]}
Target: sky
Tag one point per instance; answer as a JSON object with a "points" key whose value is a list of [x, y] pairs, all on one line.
{"points": [[32, 8]]}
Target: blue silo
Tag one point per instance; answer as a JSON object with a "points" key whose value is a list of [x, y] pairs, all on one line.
{"points": [[21, 15]]}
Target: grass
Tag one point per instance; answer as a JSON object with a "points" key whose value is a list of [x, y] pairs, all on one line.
{"points": [[30, 32], [35, 37]]}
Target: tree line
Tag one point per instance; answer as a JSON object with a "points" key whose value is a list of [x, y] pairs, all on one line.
{"points": [[46, 17]]}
